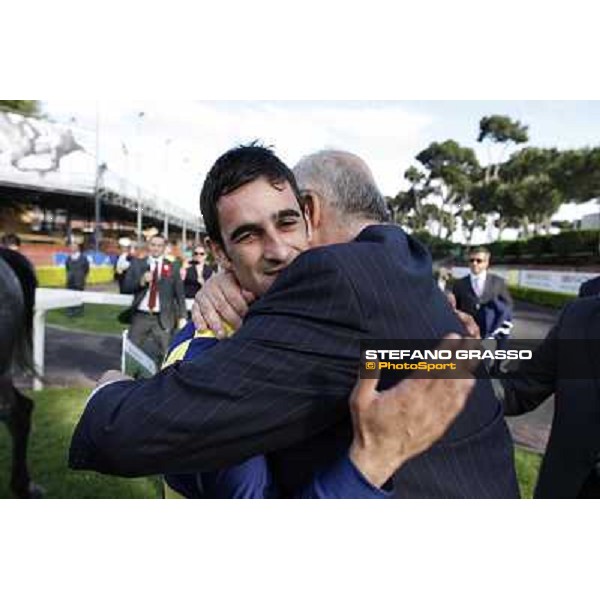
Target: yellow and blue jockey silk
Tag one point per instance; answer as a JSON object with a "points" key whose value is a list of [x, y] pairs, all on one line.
{"points": [[191, 342]]}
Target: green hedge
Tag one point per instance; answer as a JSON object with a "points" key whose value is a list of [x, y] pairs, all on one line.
{"points": [[438, 247], [57, 276], [541, 297], [568, 246]]}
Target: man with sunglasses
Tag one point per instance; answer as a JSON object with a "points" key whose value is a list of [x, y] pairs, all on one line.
{"points": [[485, 297], [196, 273]]}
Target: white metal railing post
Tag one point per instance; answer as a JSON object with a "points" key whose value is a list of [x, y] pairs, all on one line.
{"points": [[39, 338]]}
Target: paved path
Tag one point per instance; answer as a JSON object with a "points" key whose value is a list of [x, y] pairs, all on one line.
{"points": [[532, 323], [78, 359]]}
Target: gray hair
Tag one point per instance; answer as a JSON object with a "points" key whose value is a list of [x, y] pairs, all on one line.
{"points": [[344, 181]]}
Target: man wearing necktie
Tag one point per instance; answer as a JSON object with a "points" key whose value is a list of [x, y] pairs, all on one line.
{"points": [[485, 297], [159, 304]]}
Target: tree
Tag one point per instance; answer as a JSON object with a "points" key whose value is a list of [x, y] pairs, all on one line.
{"points": [[576, 174], [525, 189], [470, 220], [530, 191], [452, 170], [26, 107], [407, 206], [500, 129], [541, 200]]}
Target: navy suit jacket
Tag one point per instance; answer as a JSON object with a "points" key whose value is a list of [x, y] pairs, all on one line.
{"points": [[281, 384], [571, 348]]}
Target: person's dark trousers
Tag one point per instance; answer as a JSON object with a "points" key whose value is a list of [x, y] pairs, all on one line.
{"points": [[75, 311], [147, 333]]}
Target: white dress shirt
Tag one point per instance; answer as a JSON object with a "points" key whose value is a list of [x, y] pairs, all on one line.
{"points": [[478, 282]]}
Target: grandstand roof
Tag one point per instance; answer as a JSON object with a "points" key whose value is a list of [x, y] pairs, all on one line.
{"points": [[56, 165]]}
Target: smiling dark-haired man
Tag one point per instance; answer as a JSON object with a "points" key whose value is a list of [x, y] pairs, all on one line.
{"points": [[280, 385]]}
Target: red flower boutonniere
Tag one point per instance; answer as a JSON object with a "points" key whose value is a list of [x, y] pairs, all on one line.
{"points": [[166, 270]]}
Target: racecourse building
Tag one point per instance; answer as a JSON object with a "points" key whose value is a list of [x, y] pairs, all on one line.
{"points": [[53, 188]]}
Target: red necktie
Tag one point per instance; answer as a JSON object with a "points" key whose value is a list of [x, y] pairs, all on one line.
{"points": [[153, 289]]}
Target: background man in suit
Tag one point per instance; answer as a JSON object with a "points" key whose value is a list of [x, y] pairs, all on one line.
{"points": [[484, 296], [591, 287], [158, 304], [566, 364], [281, 383], [78, 267]]}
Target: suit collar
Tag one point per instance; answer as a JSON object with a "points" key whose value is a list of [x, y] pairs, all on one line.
{"points": [[380, 232]]}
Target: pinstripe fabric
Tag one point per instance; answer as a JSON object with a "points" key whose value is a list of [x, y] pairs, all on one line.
{"points": [[574, 444], [281, 384]]}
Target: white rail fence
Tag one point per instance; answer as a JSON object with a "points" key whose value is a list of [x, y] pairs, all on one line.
{"points": [[49, 299]]}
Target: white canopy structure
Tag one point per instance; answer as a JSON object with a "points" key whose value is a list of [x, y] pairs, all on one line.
{"points": [[36, 154]]}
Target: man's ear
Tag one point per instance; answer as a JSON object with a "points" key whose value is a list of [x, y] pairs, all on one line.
{"points": [[312, 209], [309, 227], [219, 253]]}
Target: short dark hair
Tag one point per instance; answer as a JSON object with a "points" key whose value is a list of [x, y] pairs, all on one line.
{"points": [[237, 167], [11, 239], [480, 250]]}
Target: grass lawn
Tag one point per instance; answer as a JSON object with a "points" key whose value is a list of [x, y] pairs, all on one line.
{"points": [[97, 318], [528, 466], [55, 415]]}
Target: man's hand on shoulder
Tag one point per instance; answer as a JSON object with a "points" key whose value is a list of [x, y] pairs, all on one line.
{"points": [[396, 425], [221, 300]]}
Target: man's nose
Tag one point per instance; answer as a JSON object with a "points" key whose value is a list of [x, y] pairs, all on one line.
{"points": [[276, 248]]}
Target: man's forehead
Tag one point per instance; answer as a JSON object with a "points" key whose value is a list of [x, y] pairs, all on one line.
{"points": [[255, 202]]}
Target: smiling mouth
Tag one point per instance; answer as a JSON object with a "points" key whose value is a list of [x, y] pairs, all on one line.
{"points": [[273, 272]]}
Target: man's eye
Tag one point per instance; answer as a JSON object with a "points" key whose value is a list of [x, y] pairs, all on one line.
{"points": [[245, 237], [288, 222]]}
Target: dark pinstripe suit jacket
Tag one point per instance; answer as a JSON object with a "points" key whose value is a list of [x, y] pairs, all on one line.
{"points": [[281, 384], [572, 346]]}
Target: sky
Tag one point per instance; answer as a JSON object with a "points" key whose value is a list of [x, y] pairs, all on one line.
{"points": [[168, 148]]}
